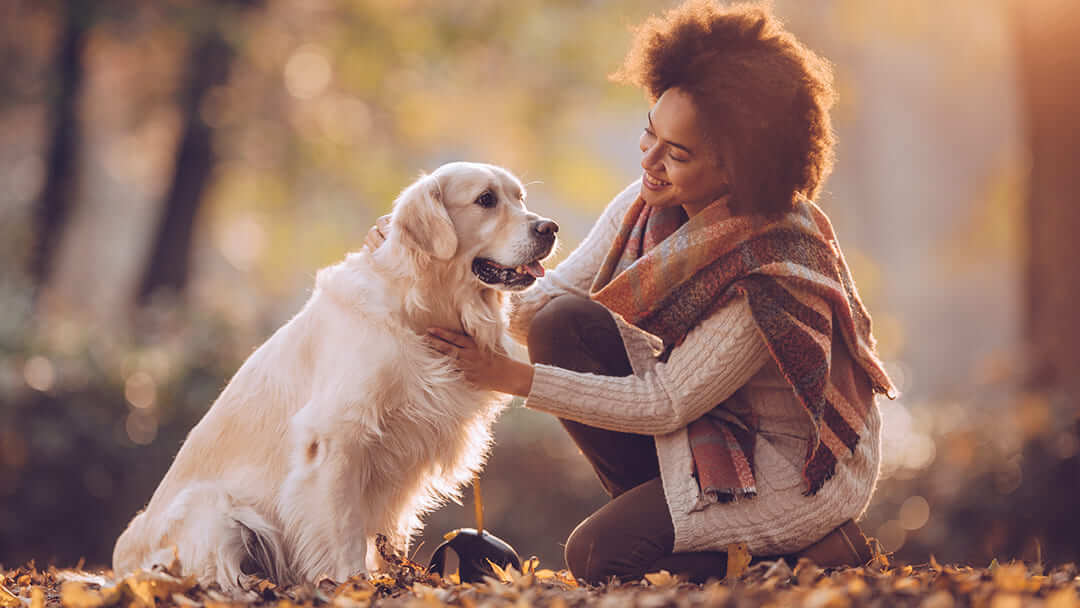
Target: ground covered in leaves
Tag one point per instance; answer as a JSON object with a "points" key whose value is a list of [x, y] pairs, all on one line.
{"points": [[406, 583]]}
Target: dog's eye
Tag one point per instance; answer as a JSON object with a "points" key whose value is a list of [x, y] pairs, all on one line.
{"points": [[486, 200]]}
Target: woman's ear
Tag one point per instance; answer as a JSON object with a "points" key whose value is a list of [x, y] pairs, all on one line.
{"points": [[421, 222]]}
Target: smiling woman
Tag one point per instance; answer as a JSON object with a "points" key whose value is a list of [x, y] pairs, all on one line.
{"points": [[681, 168], [750, 98], [705, 346]]}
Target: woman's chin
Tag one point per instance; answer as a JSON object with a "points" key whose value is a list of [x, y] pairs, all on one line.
{"points": [[656, 199]]}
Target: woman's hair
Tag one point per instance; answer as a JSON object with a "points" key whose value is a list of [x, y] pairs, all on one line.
{"points": [[764, 97]]}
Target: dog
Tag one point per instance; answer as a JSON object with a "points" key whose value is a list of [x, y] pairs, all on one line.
{"points": [[345, 422]]}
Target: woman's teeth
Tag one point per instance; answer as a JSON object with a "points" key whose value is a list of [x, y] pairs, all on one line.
{"points": [[652, 181]]}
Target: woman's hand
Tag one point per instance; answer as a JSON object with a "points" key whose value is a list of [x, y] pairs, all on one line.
{"points": [[482, 367], [378, 232]]}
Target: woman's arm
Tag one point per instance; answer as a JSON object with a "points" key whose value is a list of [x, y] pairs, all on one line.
{"points": [[575, 273], [717, 358]]}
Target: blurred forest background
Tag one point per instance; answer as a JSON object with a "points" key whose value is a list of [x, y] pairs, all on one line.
{"points": [[172, 174]]}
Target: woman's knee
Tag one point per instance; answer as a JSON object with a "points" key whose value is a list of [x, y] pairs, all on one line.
{"points": [[584, 553], [578, 334], [557, 324]]}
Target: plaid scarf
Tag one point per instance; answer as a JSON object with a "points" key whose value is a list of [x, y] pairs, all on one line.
{"points": [[665, 273]]}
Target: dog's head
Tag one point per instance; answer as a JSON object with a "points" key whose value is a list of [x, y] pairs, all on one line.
{"points": [[474, 214]]}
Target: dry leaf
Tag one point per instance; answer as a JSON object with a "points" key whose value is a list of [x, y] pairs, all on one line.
{"points": [[738, 560], [1062, 598], [717, 594], [907, 585], [857, 587], [545, 574], [8, 599], [807, 572], [505, 575], [37, 597], [826, 597], [564, 577], [662, 578], [1011, 577], [76, 595], [1006, 600], [938, 599]]}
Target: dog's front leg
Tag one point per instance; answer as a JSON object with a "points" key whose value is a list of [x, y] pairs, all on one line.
{"points": [[327, 522]]}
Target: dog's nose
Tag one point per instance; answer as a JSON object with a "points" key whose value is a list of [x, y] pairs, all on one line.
{"points": [[545, 227]]}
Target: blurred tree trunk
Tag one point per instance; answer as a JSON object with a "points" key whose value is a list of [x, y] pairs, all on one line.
{"points": [[1044, 507], [60, 189], [208, 67], [1048, 35]]}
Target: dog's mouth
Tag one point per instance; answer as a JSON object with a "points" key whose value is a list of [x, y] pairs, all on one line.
{"points": [[512, 277]]}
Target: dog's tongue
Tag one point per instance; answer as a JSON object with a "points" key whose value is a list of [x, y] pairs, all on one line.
{"points": [[535, 269]]}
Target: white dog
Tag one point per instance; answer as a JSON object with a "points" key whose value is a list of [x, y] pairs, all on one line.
{"points": [[345, 423]]}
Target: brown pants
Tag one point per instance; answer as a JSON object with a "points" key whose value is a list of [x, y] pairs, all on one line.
{"points": [[632, 534]]}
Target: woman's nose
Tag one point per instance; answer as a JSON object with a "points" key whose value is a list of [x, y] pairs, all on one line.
{"points": [[649, 156]]}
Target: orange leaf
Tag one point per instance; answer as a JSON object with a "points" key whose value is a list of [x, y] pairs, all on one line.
{"points": [[8, 599], [738, 560], [662, 578]]}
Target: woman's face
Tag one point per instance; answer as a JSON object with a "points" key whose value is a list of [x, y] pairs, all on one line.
{"points": [[680, 168]]}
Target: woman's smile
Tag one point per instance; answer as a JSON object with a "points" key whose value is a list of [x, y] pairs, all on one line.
{"points": [[653, 183]]}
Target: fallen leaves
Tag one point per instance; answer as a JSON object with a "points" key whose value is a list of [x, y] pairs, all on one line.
{"points": [[407, 584], [8, 599]]}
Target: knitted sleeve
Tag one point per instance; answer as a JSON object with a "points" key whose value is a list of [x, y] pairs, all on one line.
{"points": [[575, 273], [717, 357]]}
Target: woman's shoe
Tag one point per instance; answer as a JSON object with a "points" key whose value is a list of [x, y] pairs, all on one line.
{"points": [[844, 546]]}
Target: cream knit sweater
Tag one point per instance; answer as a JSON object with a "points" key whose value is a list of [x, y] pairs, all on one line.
{"points": [[720, 358]]}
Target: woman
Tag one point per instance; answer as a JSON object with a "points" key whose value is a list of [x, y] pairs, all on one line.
{"points": [[730, 397]]}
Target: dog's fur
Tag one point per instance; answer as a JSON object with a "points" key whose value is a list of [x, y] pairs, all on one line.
{"points": [[345, 423]]}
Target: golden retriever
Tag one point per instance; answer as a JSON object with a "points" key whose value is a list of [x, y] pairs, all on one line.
{"points": [[346, 423]]}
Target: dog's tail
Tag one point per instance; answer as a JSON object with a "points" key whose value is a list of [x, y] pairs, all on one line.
{"points": [[264, 553]]}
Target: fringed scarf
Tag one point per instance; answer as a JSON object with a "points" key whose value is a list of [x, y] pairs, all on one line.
{"points": [[665, 273]]}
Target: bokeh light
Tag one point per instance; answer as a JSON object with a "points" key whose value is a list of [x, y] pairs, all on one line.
{"points": [[914, 513], [39, 373], [141, 427], [140, 390], [891, 535], [307, 72]]}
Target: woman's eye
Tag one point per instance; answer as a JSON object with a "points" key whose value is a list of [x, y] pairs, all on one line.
{"points": [[677, 159], [486, 200]]}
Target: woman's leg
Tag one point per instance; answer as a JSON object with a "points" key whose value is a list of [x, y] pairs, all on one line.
{"points": [[633, 535], [578, 334]]}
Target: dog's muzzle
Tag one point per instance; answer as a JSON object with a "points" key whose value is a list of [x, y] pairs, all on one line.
{"points": [[520, 276]]}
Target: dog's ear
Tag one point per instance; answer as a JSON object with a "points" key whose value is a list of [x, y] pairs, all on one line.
{"points": [[421, 221]]}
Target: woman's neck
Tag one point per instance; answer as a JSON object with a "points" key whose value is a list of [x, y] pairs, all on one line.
{"points": [[693, 209]]}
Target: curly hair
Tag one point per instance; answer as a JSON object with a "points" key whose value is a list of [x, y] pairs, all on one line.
{"points": [[764, 97]]}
